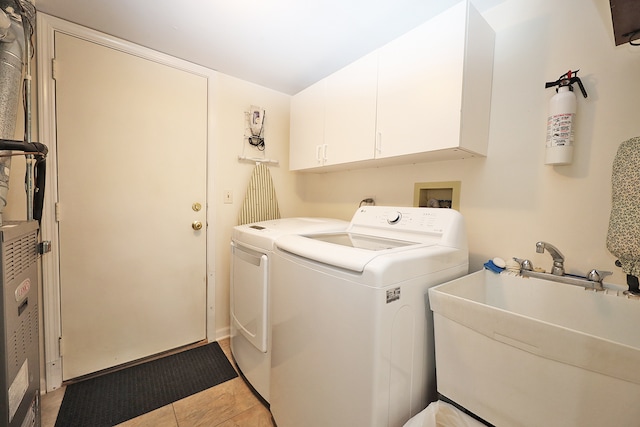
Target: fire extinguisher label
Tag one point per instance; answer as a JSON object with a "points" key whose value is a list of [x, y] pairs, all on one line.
{"points": [[560, 130]]}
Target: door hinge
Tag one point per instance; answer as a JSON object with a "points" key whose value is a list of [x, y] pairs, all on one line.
{"points": [[54, 69], [57, 211]]}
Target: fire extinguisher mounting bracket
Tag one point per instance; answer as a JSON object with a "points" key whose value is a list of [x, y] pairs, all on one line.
{"points": [[568, 79]]}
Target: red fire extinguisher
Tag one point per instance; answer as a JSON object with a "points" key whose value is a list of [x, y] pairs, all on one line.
{"points": [[560, 123]]}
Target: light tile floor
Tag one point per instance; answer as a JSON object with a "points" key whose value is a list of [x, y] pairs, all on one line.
{"points": [[230, 404]]}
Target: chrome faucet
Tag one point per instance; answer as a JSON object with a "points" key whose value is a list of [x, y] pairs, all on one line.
{"points": [[558, 258], [592, 281]]}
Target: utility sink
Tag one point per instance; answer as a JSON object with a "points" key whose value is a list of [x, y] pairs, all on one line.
{"points": [[521, 351]]}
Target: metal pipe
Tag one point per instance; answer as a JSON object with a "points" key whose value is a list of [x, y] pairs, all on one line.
{"points": [[28, 14], [11, 57]]}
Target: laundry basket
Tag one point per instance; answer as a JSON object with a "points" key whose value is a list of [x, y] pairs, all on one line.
{"points": [[442, 414]]}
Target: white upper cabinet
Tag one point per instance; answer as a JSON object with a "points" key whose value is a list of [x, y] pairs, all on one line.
{"points": [[350, 112], [307, 127], [426, 86], [333, 121], [424, 96]]}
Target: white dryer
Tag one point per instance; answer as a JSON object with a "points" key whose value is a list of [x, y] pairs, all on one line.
{"points": [[251, 249], [352, 335]]}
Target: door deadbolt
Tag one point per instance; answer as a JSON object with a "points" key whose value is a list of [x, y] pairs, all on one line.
{"points": [[196, 225], [196, 207]]}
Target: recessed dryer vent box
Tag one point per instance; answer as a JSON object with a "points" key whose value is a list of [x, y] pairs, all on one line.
{"points": [[437, 195]]}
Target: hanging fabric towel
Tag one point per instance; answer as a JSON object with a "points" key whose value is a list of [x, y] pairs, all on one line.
{"points": [[623, 237], [260, 203]]}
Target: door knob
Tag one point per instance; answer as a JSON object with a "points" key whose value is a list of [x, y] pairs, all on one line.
{"points": [[196, 225]]}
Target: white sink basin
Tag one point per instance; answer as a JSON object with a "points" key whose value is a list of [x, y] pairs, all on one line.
{"points": [[530, 352]]}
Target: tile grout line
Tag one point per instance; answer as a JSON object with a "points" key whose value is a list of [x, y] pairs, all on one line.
{"points": [[175, 416]]}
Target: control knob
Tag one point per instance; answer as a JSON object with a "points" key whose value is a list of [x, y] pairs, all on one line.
{"points": [[394, 217]]}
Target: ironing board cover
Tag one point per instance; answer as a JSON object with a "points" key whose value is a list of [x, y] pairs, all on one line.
{"points": [[623, 237], [260, 203]]}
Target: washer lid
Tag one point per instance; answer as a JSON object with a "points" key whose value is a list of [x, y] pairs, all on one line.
{"points": [[362, 241], [345, 250]]}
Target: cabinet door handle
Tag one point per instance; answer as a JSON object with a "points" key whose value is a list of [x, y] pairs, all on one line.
{"points": [[318, 158], [324, 153]]}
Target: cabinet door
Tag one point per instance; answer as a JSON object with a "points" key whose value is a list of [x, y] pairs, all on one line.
{"points": [[307, 127], [350, 112], [420, 87]]}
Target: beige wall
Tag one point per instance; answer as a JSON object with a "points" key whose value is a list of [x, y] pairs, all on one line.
{"points": [[233, 98], [510, 199]]}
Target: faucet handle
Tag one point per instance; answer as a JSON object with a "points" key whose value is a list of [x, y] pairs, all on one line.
{"points": [[598, 275], [525, 264]]}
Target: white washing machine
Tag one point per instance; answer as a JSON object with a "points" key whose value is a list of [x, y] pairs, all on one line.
{"points": [[251, 249], [352, 335]]}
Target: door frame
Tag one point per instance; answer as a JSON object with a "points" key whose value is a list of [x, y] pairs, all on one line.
{"points": [[47, 26]]}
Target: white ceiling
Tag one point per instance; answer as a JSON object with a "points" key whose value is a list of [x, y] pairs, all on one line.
{"points": [[285, 45]]}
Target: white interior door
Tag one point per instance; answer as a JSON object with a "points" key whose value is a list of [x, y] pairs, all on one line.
{"points": [[131, 151]]}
